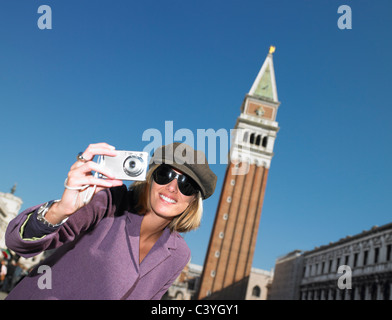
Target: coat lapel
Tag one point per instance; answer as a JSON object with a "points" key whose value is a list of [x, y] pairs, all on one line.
{"points": [[158, 253], [133, 224]]}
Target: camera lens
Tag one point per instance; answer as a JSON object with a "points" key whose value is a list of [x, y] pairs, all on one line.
{"points": [[133, 166]]}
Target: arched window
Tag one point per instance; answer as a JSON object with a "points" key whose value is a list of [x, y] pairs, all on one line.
{"points": [[252, 138], [386, 290], [179, 296], [362, 293], [258, 140], [373, 292], [256, 291], [264, 143]]}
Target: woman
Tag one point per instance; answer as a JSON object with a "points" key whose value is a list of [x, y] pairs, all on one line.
{"points": [[123, 244]]}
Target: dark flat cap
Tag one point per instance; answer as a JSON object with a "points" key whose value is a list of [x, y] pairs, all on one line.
{"points": [[189, 161]]}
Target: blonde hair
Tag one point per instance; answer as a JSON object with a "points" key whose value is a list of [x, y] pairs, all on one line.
{"points": [[188, 220]]}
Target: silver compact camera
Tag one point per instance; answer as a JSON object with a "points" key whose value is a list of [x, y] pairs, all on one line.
{"points": [[127, 165]]}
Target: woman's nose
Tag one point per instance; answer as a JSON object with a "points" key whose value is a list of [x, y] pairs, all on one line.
{"points": [[172, 186]]}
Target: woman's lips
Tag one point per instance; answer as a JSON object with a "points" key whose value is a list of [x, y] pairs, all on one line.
{"points": [[167, 199]]}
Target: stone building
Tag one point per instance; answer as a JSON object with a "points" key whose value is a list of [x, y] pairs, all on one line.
{"points": [[369, 258], [258, 284], [9, 208], [356, 267], [288, 270], [186, 285]]}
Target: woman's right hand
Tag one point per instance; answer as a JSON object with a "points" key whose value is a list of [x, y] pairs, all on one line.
{"points": [[79, 176]]}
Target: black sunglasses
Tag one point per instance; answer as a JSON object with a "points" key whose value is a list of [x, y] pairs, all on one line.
{"points": [[165, 174]]}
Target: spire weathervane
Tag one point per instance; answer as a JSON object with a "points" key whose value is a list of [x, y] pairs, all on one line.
{"points": [[272, 49]]}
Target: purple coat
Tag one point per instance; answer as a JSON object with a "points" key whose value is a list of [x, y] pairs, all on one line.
{"points": [[98, 254]]}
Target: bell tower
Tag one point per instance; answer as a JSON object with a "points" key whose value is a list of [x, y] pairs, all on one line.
{"points": [[232, 243]]}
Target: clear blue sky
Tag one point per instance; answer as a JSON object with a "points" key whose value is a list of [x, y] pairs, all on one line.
{"points": [[110, 70]]}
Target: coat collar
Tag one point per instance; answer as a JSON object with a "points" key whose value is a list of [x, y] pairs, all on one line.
{"points": [[158, 253]]}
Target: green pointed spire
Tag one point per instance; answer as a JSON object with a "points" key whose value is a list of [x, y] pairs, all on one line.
{"points": [[264, 86]]}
